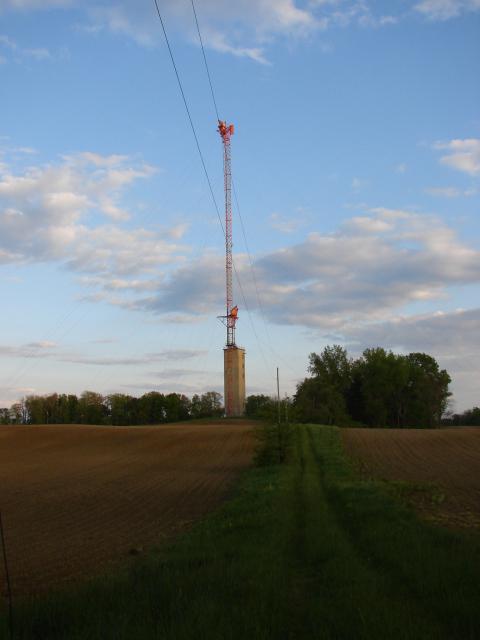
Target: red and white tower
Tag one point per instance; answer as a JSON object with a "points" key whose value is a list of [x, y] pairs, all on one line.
{"points": [[234, 357]]}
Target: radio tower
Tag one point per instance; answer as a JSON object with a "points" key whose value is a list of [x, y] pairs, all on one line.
{"points": [[234, 357]]}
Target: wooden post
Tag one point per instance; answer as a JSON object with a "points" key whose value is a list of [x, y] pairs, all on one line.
{"points": [[278, 396], [7, 576]]}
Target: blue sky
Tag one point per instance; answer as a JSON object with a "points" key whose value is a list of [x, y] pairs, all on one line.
{"points": [[356, 161]]}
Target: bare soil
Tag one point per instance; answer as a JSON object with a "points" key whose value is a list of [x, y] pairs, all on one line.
{"points": [[76, 498], [437, 471]]}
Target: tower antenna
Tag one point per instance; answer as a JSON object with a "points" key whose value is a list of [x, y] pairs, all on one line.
{"points": [[234, 357], [226, 131]]}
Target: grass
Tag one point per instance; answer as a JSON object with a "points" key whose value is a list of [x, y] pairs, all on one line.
{"points": [[305, 549]]}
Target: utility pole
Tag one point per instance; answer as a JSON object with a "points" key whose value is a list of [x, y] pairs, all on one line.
{"points": [[7, 578], [278, 397]]}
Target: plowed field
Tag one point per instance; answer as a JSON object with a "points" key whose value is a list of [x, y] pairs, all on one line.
{"points": [[442, 467], [76, 498]]}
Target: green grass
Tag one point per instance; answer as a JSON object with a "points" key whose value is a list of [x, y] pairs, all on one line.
{"points": [[305, 549]]}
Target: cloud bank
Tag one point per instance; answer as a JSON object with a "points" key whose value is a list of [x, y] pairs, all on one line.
{"points": [[374, 265], [462, 155], [453, 338], [446, 9], [244, 28], [71, 213]]}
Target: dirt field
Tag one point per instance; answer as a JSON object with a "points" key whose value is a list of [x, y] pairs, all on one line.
{"points": [[441, 467], [76, 498]]}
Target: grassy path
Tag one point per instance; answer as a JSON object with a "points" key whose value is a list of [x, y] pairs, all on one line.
{"points": [[304, 550], [343, 591]]}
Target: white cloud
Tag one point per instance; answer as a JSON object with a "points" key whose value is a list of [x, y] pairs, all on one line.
{"points": [[50, 350], [358, 184], [359, 12], [69, 213], [175, 374], [450, 192], [243, 30], [24, 5], [370, 224], [181, 318], [442, 332], [40, 349], [102, 161], [180, 354], [285, 224], [14, 49], [446, 9], [119, 284], [452, 338], [374, 265], [7, 42], [463, 155], [195, 288], [219, 42], [178, 231], [177, 387], [42, 344], [38, 54], [246, 29]]}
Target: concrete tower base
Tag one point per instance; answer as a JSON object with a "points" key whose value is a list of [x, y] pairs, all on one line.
{"points": [[234, 381]]}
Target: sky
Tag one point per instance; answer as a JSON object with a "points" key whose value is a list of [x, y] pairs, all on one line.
{"points": [[356, 165]]}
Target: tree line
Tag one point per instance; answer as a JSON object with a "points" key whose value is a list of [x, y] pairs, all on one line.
{"points": [[469, 418], [378, 389], [115, 409]]}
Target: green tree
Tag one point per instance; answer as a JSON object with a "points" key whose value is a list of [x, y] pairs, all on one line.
{"points": [[177, 407], [152, 408], [469, 418], [322, 398], [211, 404], [260, 406], [122, 409], [379, 389], [66, 410], [91, 408], [50, 403], [381, 379], [316, 401], [427, 391], [18, 413], [208, 405], [36, 409], [196, 406], [332, 367]]}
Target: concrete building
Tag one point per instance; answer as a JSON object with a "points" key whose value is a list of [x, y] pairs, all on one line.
{"points": [[234, 381]]}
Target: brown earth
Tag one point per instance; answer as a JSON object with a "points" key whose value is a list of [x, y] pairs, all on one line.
{"points": [[76, 498], [437, 471]]}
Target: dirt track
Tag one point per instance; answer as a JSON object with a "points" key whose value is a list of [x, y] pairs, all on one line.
{"points": [[448, 459], [76, 498]]}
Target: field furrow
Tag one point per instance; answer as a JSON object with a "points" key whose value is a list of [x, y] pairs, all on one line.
{"points": [[447, 459], [75, 499]]}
